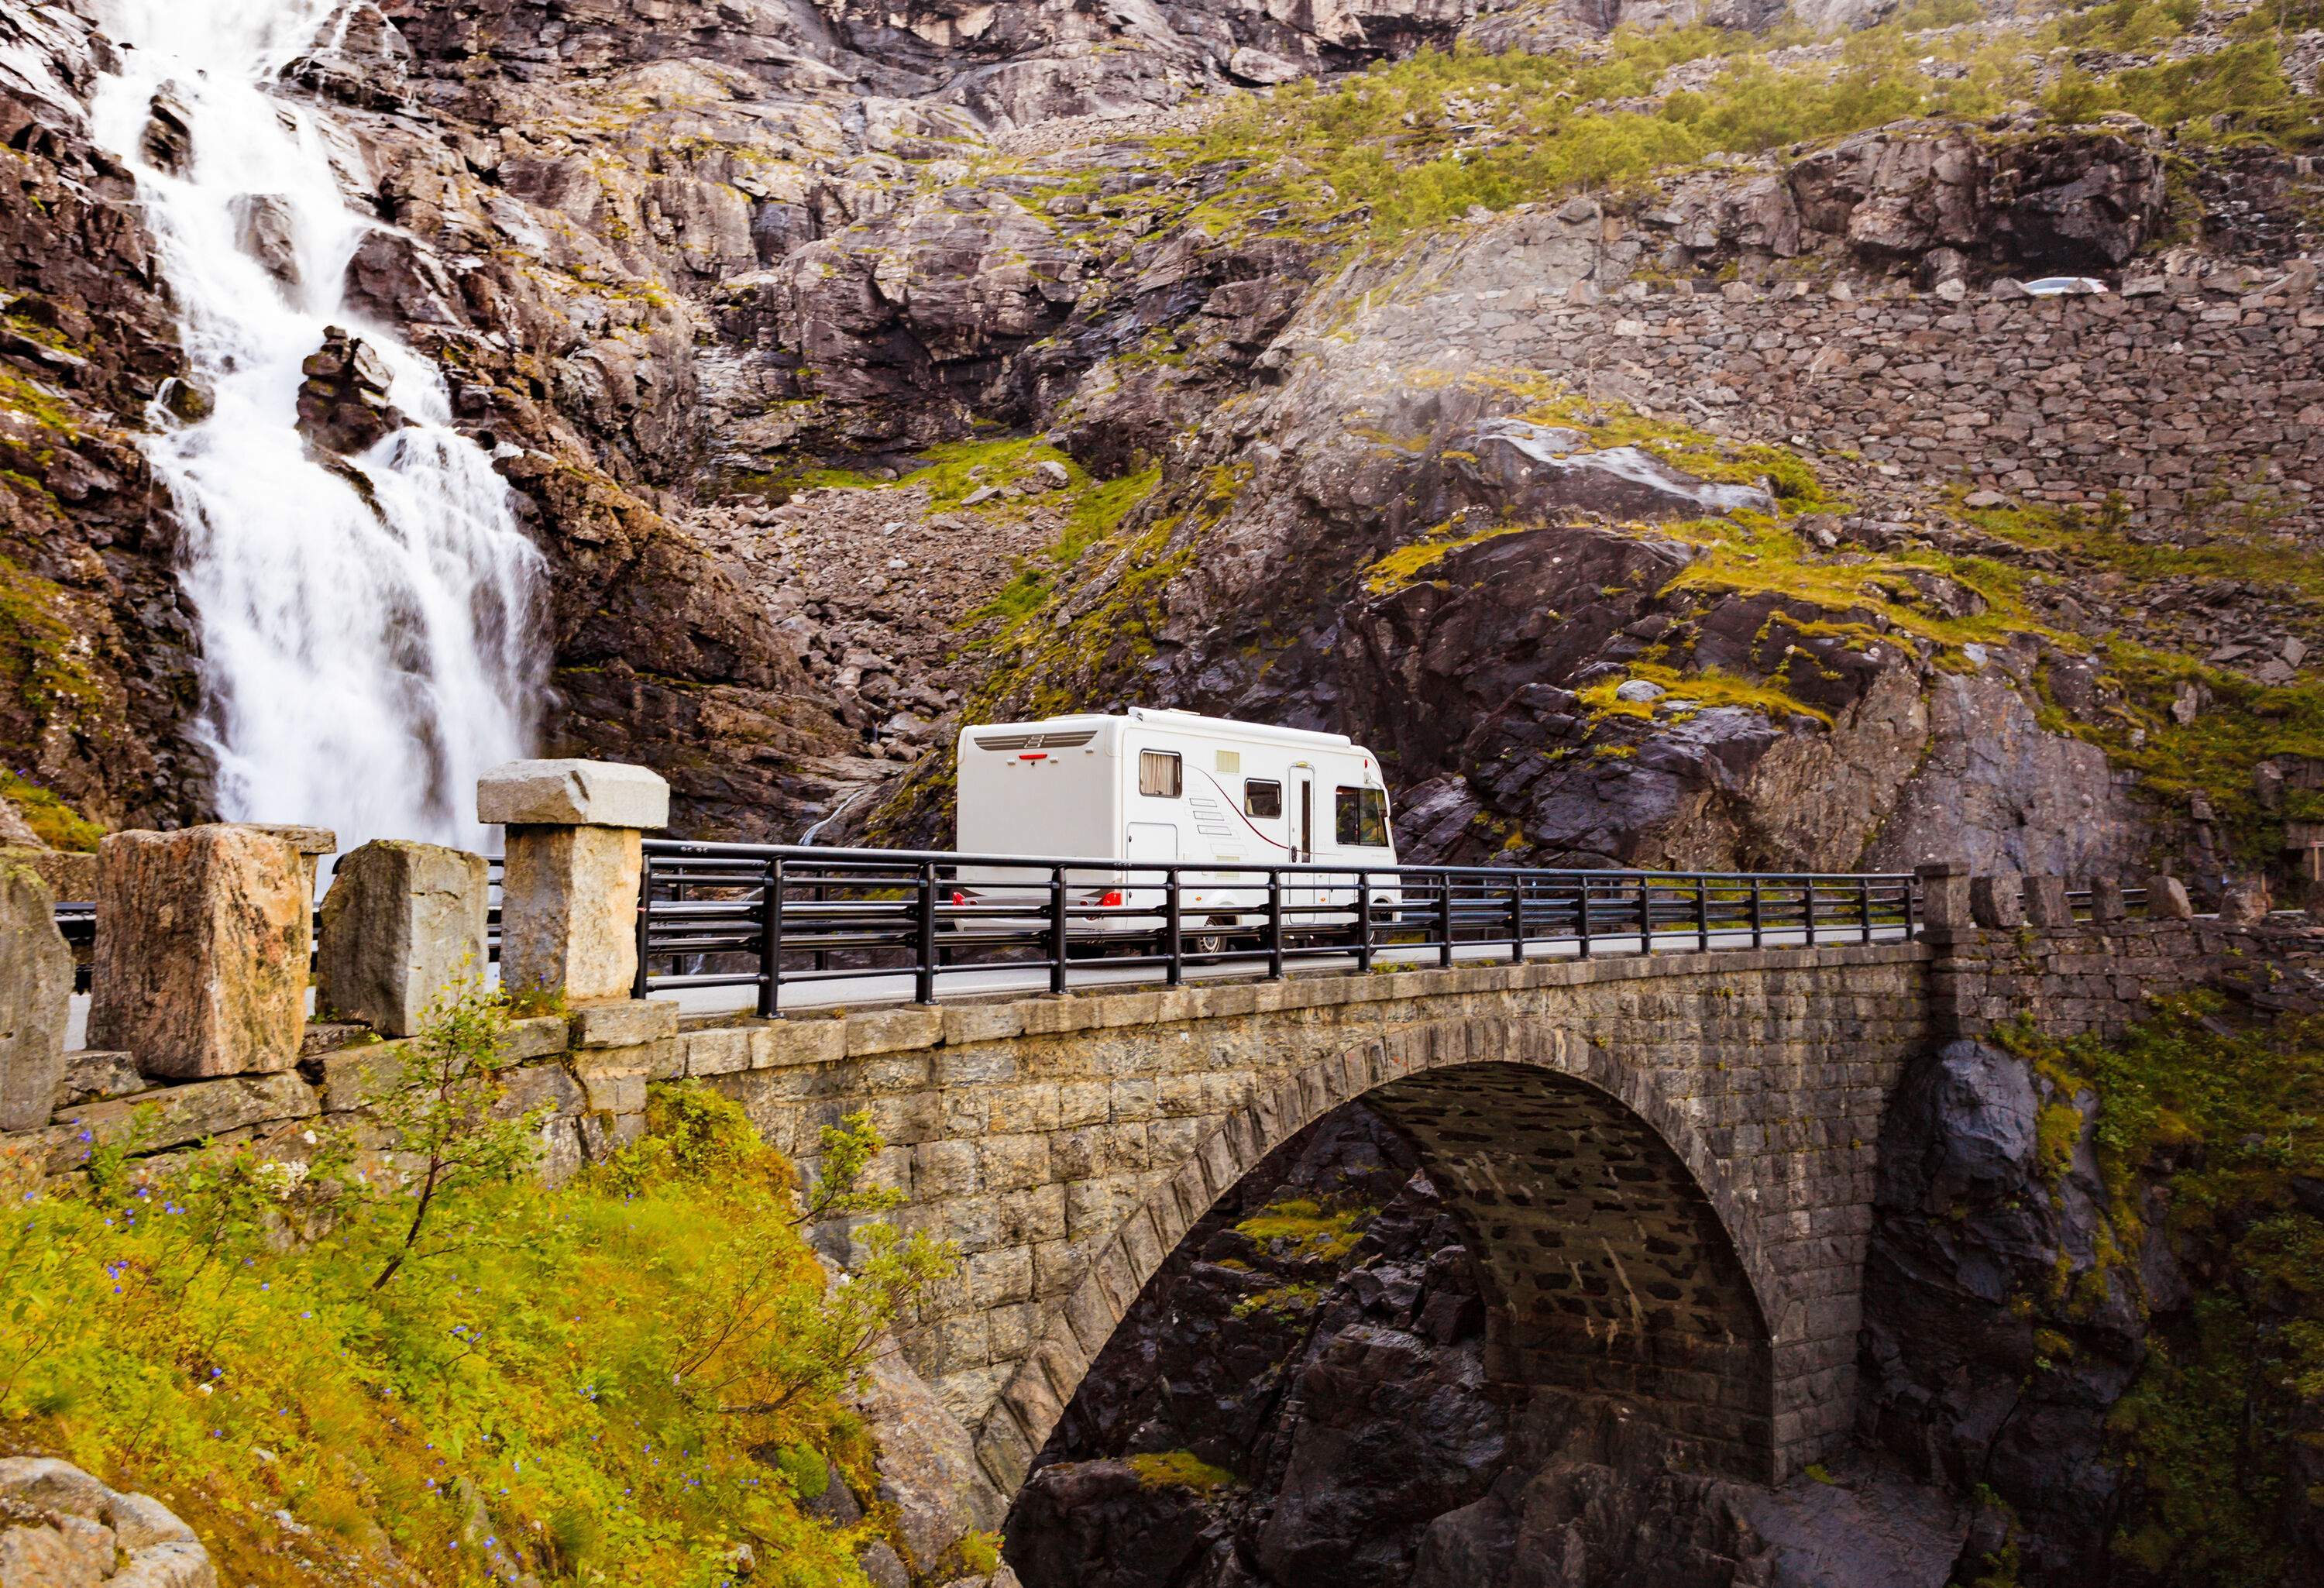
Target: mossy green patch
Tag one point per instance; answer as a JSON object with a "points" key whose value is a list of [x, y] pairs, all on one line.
{"points": [[45, 661], [1284, 1301], [1703, 687], [1419, 143], [2231, 1117], [2236, 724], [56, 823], [1404, 566], [2240, 94], [1305, 1229], [1094, 510], [1179, 1468]]}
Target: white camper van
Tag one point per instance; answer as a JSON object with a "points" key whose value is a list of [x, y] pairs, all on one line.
{"points": [[1162, 786]]}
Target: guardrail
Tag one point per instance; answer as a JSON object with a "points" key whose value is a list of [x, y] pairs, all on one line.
{"points": [[772, 917], [847, 914]]}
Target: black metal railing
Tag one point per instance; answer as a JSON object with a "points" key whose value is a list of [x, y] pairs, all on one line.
{"points": [[770, 916], [720, 915]]}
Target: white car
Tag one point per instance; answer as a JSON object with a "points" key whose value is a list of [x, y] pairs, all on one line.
{"points": [[2065, 287]]}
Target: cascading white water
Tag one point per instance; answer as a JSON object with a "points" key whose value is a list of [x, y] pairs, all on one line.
{"points": [[363, 661]]}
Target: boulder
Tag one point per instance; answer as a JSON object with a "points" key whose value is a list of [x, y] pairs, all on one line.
{"points": [[168, 142], [36, 977], [343, 403], [927, 1463], [396, 278], [201, 958], [403, 922], [360, 58], [263, 228], [59, 1528]]}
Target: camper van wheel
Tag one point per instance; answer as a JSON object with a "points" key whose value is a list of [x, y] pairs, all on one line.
{"points": [[1207, 943]]}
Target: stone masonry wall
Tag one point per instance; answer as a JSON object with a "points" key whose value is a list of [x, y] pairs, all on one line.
{"points": [[1067, 1144], [2093, 978], [2176, 389]]}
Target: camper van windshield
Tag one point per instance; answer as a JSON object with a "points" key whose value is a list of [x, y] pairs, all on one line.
{"points": [[1362, 818]]}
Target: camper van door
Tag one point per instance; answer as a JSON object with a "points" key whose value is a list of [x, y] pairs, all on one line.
{"points": [[1301, 892]]}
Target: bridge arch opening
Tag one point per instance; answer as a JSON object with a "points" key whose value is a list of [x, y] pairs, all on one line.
{"points": [[1603, 1242]]}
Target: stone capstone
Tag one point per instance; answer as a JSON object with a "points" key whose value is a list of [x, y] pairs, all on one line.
{"points": [[1944, 893], [573, 793], [36, 978], [2245, 900], [201, 956], [2047, 903], [403, 923], [2166, 899], [59, 1528]]}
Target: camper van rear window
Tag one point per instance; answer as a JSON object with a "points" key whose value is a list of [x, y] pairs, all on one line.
{"points": [[1362, 818], [1158, 774], [1262, 798]]}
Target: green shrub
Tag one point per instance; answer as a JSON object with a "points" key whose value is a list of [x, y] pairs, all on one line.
{"points": [[566, 1383]]}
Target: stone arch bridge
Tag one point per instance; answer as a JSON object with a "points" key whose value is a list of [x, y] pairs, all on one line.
{"points": [[1664, 1163]]}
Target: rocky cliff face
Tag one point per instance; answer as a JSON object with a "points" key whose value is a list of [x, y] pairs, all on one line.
{"points": [[1317, 474], [2092, 1315], [96, 665]]}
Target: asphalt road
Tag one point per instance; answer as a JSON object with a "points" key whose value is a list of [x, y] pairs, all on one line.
{"points": [[1001, 981]]}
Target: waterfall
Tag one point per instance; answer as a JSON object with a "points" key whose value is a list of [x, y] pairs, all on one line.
{"points": [[370, 635]]}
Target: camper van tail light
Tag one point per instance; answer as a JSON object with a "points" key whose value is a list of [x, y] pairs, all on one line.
{"points": [[1035, 755], [1110, 899], [958, 897]]}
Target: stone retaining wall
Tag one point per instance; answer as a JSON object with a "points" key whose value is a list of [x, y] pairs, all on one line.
{"points": [[2178, 393], [2091, 979]]}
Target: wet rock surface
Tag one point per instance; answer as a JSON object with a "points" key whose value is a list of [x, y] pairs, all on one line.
{"points": [[344, 405]]}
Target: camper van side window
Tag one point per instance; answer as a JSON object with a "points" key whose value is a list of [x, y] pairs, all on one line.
{"points": [[1362, 815], [1159, 773], [1262, 798]]}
